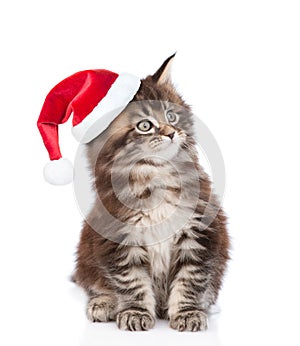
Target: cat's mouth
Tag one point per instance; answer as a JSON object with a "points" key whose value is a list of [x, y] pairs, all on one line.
{"points": [[159, 143], [165, 146]]}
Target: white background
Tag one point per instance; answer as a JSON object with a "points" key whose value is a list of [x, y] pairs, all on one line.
{"points": [[238, 64]]}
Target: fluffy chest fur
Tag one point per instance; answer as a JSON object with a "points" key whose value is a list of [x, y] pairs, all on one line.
{"points": [[153, 221], [159, 257]]}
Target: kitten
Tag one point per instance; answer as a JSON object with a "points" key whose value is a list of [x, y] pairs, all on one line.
{"points": [[155, 242]]}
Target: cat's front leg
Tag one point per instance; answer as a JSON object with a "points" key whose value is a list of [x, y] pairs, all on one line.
{"points": [[184, 309], [136, 301], [187, 310]]}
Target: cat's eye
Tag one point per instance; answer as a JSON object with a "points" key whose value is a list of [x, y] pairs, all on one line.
{"points": [[144, 125], [172, 117]]}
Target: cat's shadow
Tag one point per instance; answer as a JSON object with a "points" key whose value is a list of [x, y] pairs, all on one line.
{"points": [[96, 334], [161, 334]]}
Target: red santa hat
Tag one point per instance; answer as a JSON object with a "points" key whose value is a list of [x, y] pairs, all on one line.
{"points": [[93, 98]]}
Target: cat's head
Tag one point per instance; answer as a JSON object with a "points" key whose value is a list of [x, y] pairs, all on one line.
{"points": [[154, 125]]}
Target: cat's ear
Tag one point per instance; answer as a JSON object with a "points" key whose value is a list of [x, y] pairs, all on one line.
{"points": [[163, 74]]}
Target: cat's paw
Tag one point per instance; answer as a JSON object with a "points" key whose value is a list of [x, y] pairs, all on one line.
{"points": [[100, 309], [191, 321], [135, 320]]}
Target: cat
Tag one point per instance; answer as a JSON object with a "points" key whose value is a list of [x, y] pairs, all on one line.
{"points": [[155, 244]]}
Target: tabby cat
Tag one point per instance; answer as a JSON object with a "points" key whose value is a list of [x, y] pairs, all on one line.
{"points": [[155, 242]]}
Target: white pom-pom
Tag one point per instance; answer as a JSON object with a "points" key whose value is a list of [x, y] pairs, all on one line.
{"points": [[59, 172]]}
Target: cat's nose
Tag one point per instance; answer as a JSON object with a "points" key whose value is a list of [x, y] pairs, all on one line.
{"points": [[171, 135]]}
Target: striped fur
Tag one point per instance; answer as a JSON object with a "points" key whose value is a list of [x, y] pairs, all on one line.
{"points": [[155, 243]]}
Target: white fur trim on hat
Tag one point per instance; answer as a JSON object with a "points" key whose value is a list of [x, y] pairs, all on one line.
{"points": [[58, 172], [117, 98]]}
